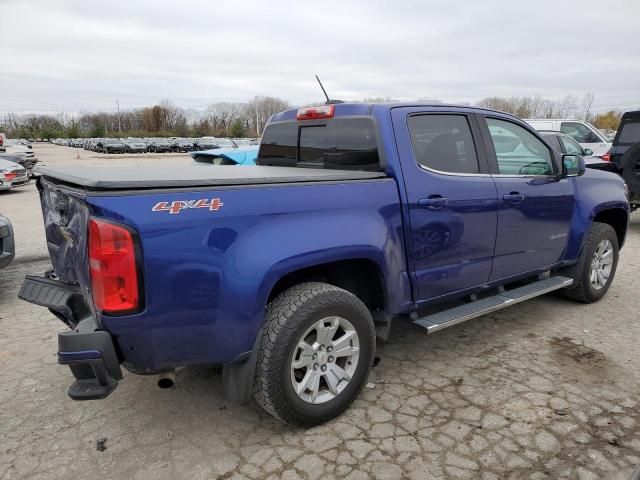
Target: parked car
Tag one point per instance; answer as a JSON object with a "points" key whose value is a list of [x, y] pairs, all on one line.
{"points": [[7, 242], [12, 175], [227, 156], [205, 143], [582, 132], [16, 148], [19, 142], [97, 145], [565, 144], [27, 162], [286, 271], [112, 145], [134, 145], [159, 145], [625, 154], [183, 145]]}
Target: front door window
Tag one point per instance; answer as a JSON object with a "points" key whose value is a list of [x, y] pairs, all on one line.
{"points": [[518, 151]]}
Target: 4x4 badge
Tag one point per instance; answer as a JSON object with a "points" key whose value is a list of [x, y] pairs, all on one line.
{"points": [[177, 206]]}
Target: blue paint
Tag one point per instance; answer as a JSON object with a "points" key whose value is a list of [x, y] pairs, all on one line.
{"points": [[70, 357]]}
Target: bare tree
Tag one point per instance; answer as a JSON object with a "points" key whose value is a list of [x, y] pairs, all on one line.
{"points": [[261, 108], [568, 106], [222, 114], [534, 107], [587, 104]]}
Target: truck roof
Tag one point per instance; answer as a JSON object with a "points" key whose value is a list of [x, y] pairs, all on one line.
{"points": [[343, 109]]}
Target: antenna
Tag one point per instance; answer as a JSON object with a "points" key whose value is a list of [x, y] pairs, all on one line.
{"points": [[323, 90]]}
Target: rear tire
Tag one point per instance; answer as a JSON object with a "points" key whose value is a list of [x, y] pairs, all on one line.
{"points": [[303, 325], [591, 275]]}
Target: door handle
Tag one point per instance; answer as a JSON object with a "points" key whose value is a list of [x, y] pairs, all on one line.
{"points": [[433, 202], [513, 197]]}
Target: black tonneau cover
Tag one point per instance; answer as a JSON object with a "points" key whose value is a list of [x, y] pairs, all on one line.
{"points": [[198, 175]]}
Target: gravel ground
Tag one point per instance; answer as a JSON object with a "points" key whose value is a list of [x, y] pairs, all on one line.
{"points": [[543, 390]]}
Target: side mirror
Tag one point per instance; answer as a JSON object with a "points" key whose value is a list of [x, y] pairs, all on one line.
{"points": [[573, 166], [588, 152]]}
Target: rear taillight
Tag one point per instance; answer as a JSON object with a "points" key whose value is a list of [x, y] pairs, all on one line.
{"points": [[112, 266], [312, 113], [9, 175], [606, 157]]}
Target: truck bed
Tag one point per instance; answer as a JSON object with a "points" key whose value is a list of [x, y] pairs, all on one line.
{"points": [[179, 176]]}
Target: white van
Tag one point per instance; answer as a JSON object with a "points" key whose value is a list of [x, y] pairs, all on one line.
{"points": [[582, 132]]}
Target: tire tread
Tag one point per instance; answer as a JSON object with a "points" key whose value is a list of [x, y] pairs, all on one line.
{"points": [[280, 323], [579, 290]]}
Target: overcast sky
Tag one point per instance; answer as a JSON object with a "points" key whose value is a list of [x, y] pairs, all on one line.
{"points": [[84, 55]]}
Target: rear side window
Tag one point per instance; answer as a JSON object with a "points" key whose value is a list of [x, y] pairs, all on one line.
{"points": [[341, 143], [279, 145], [443, 143], [630, 132]]}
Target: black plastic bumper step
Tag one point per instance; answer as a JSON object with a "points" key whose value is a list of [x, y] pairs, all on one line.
{"points": [[90, 389], [438, 321]]}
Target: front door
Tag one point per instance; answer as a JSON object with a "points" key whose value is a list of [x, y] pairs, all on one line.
{"points": [[451, 199], [535, 202]]}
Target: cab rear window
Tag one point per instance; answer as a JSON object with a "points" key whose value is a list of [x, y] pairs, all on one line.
{"points": [[340, 143]]}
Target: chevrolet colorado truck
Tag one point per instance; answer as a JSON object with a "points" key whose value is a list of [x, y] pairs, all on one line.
{"points": [[286, 272]]}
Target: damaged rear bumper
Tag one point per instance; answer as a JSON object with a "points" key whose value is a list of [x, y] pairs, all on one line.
{"points": [[89, 352]]}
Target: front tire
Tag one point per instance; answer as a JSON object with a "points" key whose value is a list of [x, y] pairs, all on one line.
{"points": [[594, 272], [314, 356]]}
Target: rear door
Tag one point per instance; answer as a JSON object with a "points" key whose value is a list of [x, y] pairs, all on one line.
{"points": [[451, 199], [535, 202]]}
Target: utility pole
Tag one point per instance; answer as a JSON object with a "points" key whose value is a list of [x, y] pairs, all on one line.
{"points": [[119, 125]]}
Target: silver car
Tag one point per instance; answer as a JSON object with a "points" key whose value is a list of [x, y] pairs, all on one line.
{"points": [[12, 175]]}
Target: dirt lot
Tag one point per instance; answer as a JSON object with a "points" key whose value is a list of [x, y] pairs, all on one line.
{"points": [[546, 389]]}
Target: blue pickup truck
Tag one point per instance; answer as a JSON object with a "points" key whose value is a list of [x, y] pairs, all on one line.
{"points": [[356, 215]]}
